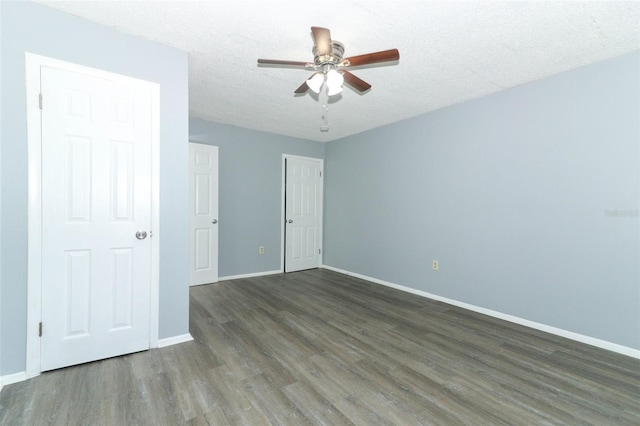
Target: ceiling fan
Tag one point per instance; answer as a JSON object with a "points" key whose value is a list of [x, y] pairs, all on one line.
{"points": [[330, 66]]}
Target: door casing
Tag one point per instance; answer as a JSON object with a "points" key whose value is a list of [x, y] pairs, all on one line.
{"points": [[283, 246], [193, 278], [33, 64]]}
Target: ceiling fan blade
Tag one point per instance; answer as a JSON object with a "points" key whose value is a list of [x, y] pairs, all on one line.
{"points": [[280, 62], [355, 82], [322, 40], [302, 89], [372, 58]]}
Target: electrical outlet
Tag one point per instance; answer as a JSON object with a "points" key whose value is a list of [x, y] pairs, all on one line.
{"points": [[261, 249], [435, 265]]}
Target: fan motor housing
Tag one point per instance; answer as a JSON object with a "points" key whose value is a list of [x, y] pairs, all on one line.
{"points": [[334, 58]]}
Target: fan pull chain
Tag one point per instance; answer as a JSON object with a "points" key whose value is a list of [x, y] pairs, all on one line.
{"points": [[324, 100]]}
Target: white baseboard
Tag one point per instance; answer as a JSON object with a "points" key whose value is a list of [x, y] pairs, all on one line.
{"points": [[603, 344], [163, 343], [22, 376], [255, 274], [13, 378]]}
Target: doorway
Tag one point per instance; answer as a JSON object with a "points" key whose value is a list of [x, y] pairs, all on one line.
{"points": [[203, 214], [93, 140], [302, 212]]}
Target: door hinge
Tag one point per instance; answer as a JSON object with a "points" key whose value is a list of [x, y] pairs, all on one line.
{"points": [[320, 173], [40, 100], [40, 329], [319, 251]]}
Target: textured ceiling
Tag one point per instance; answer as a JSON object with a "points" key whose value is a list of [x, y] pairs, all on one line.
{"points": [[449, 52]]}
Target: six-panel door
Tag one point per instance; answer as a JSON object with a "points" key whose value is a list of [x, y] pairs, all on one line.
{"points": [[303, 213], [203, 213], [96, 195]]}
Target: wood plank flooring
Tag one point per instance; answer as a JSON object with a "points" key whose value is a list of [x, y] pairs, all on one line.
{"points": [[318, 347]]}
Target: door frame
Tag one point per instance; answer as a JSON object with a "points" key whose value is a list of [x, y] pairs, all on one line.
{"points": [[217, 217], [283, 246], [33, 64]]}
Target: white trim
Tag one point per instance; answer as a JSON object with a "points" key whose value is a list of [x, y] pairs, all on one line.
{"points": [[33, 64], [34, 216], [10, 379], [254, 274], [603, 344], [283, 207], [154, 307], [169, 341]]}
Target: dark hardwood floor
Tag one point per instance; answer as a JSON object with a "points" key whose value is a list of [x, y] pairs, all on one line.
{"points": [[318, 347]]}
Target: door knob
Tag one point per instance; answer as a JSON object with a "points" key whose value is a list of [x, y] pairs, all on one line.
{"points": [[290, 221], [214, 221], [141, 235]]}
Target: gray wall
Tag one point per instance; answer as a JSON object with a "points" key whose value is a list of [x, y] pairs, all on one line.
{"points": [[41, 30], [510, 193], [250, 192]]}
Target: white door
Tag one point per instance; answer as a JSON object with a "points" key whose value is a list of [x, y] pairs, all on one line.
{"points": [[203, 213], [303, 213], [96, 195]]}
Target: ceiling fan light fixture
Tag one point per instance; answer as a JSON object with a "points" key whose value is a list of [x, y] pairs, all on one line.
{"points": [[334, 91], [315, 82], [334, 82]]}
